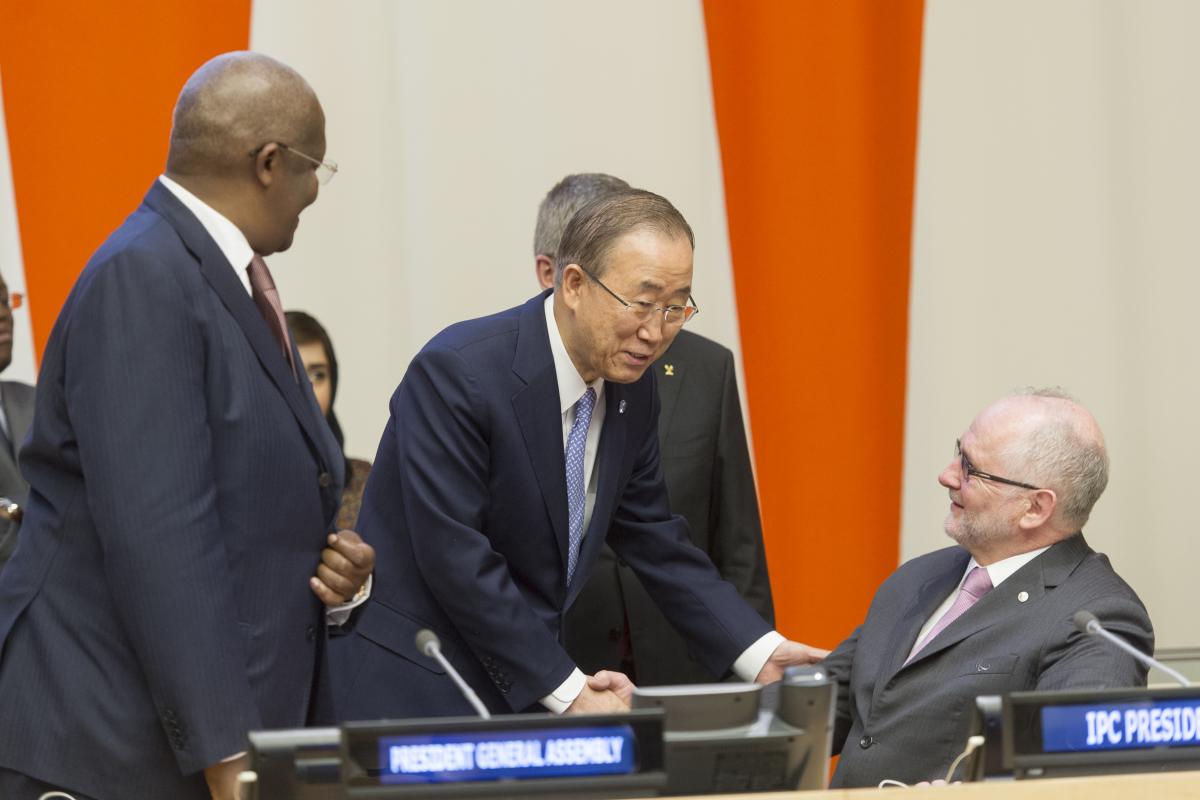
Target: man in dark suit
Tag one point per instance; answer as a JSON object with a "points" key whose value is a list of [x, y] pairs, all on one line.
{"points": [[518, 443], [162, 599], [16, 413], [993, 614], [614, 624]]}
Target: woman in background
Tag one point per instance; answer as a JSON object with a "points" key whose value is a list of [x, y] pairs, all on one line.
{"points": [[316, 351]]}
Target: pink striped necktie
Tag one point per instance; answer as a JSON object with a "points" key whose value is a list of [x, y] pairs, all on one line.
{"points": [[977, 584], [266, 297]]}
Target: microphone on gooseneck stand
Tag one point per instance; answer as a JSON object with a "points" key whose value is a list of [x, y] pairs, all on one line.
{"points": [[1087, 622], [429, 645]]}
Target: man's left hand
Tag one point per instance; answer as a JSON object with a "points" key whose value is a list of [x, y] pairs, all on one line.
{"points": [[345, 565], [788, 654]]}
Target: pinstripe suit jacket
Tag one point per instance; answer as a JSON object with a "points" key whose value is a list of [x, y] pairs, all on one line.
{"points": [[182, 482], [908, 722]]}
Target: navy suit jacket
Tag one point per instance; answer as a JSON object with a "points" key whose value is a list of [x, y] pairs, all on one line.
{"points": [[467, 509], [909, 721], [181, 486]]}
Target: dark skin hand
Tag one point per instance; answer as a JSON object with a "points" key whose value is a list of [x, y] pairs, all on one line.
{"points": [[346, 563]]}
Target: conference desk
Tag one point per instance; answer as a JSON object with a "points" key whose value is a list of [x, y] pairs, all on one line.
{"points": [[1152, 785]]}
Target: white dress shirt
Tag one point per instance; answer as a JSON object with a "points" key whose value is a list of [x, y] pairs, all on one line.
{"points": [[570, 388]]}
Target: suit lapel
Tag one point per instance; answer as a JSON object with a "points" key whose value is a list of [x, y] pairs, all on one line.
{"points": [[540, 417], [924, 602], [9, 474], [221, 277], [1042, 573], [670, 371], [20, 417]]}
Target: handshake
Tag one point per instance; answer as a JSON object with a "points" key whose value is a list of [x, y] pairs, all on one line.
{"points": [[612, 692]]}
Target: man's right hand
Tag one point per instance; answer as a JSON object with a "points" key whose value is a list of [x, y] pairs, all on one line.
{"points": [[591, 701], [222, 778]]}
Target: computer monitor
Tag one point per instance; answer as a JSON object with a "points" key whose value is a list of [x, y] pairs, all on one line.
{"points": [[734, 737], [299, 764], [527, 755], [1053, 734]]}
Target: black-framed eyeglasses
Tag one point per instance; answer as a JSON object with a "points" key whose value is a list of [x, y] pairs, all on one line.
{"points": [[325, 169], [968, 470], [673, 316]]}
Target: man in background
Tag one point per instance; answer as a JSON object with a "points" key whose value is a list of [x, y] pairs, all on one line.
{"points": [[614, 624], [162, 601], [993, 614], [16, 414]]}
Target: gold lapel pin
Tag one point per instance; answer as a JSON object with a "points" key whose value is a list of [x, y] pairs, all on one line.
{"points": [[669, 370]]}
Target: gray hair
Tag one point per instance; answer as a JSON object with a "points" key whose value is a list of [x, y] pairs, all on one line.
{"points": [[234, 103], [595, 228], [1064, 450], [560, 204]]}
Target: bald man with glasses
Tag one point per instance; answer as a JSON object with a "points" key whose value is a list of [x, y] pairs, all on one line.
{"points": [[994, 613]]}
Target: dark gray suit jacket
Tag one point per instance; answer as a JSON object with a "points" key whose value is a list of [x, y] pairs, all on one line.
{"points": [[909, 722], [18, 409], [710, 483], [182, 484]]}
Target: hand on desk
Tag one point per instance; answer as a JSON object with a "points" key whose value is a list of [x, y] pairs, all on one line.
{"points": [[788, 654], [345, 566]]}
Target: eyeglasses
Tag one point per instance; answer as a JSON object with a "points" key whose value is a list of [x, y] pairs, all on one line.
{"points": [[673, 316], [13, 301], [968, 470], [325, 169]]}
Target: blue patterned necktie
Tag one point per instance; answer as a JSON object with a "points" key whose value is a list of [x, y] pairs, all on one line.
{"points": [[576, 491]]}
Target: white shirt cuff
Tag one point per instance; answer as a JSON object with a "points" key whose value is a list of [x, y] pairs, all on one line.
{"points": [[561, 698], [337, 615], [754, 657]]}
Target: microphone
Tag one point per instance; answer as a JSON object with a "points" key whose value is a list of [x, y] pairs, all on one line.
{"points": [[429, 645], [1087, 622]]}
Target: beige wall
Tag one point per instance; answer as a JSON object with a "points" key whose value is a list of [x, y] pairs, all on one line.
{"points": [[1054, 232], [1057, 241], [450, 120]]}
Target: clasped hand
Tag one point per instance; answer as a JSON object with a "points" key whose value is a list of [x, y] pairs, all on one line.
{"points": [[346, 563]]}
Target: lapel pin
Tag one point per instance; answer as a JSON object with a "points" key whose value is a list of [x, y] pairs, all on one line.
{"points": [[621, 407], [669, 370], [1022, 597]]}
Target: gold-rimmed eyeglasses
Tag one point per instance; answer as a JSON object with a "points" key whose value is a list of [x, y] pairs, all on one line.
{"points": [[325, 169]]}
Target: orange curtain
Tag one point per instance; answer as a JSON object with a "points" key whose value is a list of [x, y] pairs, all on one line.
{"points": [[816, 105], [88, 91]]}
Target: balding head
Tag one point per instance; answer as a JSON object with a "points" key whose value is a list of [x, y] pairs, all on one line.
{"points": [[233, 104], [1053, 442], [248, 136]]}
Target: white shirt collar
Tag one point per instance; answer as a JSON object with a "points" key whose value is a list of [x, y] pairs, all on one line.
{"points": [[570, 383], [1004, 569], [229, 238]]}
